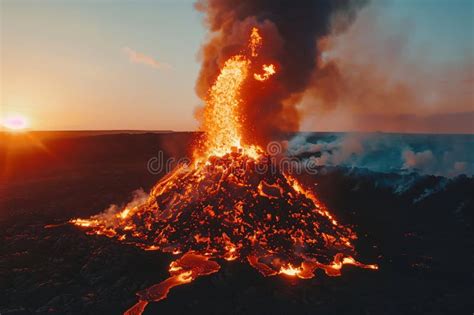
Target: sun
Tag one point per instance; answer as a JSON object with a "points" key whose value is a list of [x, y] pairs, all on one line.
{"points": [[15, 123]]}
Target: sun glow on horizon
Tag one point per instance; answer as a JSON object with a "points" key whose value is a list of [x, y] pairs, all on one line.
{"points": [[15, 123]]}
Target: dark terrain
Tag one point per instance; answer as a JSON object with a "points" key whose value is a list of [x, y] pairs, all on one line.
{"points": [[417, 228]]}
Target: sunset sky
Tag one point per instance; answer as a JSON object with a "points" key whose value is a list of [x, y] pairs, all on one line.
{"points": [[103, 64]]}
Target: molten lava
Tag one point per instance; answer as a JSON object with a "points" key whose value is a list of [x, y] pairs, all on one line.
{"points": [[230, 204]]}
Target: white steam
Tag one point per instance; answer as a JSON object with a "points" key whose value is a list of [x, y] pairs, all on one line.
{"points": [[442, 155]]}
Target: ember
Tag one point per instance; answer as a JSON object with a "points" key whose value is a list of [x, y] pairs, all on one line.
{"points": [[228, 205]]}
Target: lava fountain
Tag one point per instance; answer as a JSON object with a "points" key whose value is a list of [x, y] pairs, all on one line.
{"points": [[229, 205]]}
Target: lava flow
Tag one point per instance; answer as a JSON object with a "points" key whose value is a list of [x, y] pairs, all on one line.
{"points": [[229, 204]]}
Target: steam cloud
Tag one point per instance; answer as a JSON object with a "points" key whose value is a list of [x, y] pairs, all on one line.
{"points": [[290, 30], [110, 214], [442, 155]]}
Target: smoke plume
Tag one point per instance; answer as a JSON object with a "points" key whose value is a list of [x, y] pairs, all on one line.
{"points": [[290, 30], [377, 77]]}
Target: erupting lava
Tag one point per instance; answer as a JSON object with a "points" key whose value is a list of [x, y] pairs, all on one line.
{"points": [[230, 205]]}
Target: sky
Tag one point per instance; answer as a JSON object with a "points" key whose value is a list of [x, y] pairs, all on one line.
{"points": [[100, 65]]}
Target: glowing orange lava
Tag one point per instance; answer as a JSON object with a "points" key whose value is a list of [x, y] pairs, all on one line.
{"points": [[268, 71], [227, 205], [255, 42]]}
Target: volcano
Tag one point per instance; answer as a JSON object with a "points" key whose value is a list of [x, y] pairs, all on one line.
{"points": [[232, 202]]}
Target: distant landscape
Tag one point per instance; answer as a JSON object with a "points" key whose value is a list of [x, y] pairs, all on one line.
{"points": [[416, 227]]}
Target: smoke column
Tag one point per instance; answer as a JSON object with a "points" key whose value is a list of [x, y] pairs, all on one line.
{"points": [[291, 30]]}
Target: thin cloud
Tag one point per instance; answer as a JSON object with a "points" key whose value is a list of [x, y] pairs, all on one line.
{"points": [[138, 57]]}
